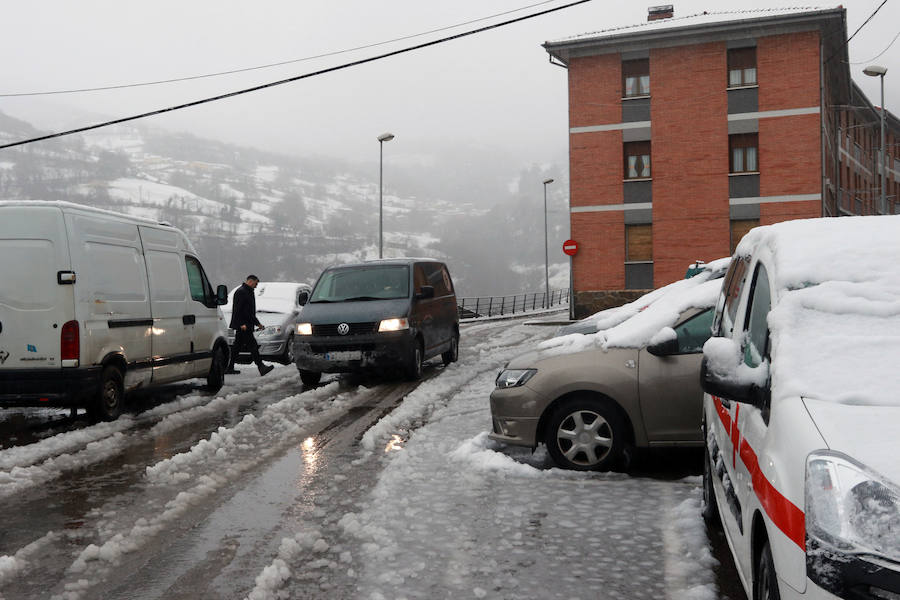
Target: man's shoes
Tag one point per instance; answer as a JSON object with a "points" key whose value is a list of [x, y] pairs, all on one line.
{"points": [[232, 371], [265, 369]]}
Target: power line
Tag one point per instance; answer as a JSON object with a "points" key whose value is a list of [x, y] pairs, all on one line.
{"points": [[879, 55], [866, 22], [295, 78], [270, 65]]}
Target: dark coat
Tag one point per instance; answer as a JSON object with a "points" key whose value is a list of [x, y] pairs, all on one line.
{"points": [[243, 311]]}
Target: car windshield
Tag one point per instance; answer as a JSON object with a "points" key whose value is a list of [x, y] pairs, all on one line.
{"points": [[383, 282], [276, 297]]}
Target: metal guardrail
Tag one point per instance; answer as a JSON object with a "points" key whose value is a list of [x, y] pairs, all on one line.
{"points": [[493, 306]]}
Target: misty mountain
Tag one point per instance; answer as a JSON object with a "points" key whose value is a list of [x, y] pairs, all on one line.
{"points": [[285, 218]]}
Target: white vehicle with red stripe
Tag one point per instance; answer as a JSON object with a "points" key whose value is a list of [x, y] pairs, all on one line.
{"points": [[802, 410]]}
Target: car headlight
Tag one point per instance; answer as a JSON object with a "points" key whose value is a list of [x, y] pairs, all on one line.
{"points": [[850, 508], [270, 331], [509, 378], [304, 328], [393, 325]]}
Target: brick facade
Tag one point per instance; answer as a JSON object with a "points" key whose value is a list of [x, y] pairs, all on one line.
{"points": [[693, 203]]}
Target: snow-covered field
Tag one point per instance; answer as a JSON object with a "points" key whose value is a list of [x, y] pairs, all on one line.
{"points": [[419, 504]]}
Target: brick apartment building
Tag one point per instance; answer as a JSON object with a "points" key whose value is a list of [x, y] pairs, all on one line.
{"points": [[685, 132]]}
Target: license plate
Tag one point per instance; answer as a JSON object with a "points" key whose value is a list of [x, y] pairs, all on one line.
{"points": [[344, 355]]}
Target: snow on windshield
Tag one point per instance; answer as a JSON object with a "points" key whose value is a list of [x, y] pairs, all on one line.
{"points": [[640, 328], [836, 323]]}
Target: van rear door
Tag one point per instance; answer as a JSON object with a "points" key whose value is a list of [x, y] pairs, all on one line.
{"points": [[34, 304]]}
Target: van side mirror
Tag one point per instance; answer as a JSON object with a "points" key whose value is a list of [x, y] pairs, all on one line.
{"points": [[735, 388], [221, 295], [425, 292], [303, 298]]}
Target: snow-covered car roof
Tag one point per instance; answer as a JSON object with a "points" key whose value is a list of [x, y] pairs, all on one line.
{"points": [[606, 319], [835, 324], [640, 328]]}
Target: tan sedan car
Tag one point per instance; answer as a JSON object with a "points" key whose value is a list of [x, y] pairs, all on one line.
{"points": [[589, 405]]}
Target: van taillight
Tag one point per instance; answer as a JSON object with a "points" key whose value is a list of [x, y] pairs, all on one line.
{"points": [[69, 346]]}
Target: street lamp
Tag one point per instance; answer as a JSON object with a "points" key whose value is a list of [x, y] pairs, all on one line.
{"points": [[878, 71], [384, 137], [546, 251]]}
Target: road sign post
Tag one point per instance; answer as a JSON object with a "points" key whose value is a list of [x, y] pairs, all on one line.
{"points": [[570, 247]]}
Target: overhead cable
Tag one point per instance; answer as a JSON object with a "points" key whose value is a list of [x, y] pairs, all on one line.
{"points": [[292, 79], [269, 65]]}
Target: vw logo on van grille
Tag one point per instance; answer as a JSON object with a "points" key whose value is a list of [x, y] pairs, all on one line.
{"points": [[343, 329]]}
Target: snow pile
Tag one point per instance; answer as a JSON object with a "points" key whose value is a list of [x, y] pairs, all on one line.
{"points": [[606, 319], [638, 330], [837, 307], [689, 560]]}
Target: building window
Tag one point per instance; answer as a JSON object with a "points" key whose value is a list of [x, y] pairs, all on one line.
{"points": [[739, 228], [638, 243], [744, 153], [637, 160], [741, 67], [636, 78]]}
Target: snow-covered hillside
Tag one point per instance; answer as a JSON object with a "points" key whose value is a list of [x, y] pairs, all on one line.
{"points": [[286, 218]]}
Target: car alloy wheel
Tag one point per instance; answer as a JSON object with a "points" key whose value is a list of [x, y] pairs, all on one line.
{"points": [[585, 434]]}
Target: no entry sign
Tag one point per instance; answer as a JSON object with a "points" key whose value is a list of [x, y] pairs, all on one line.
{"points": [[570, 247]]}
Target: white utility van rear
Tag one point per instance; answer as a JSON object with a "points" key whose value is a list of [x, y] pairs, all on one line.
{"points": [[94, 304]]}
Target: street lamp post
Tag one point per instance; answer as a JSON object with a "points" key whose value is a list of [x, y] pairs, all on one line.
{"points": [[878, 71], [546, 250], [384, 137]]}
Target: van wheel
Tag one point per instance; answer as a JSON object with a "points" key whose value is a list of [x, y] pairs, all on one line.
{"points": [[708, 508], [452, 355], [766, 585], [216, 377], [414, 367], [288, 357], [310, 378], [107, 405], [585, 434]]}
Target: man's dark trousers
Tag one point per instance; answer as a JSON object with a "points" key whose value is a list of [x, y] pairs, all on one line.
{"points": [[244, 340]]}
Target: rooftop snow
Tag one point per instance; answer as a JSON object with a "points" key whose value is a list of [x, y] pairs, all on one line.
{"points": [[704, 18]]}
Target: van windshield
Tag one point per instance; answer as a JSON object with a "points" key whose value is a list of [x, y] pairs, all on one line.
{"points": [[383, 282]]}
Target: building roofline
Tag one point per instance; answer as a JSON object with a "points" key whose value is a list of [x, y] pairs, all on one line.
{"points": [[665, 32]]}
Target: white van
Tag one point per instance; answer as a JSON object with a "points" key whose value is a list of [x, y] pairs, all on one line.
{"points": [[94, 304], [802, 412]]}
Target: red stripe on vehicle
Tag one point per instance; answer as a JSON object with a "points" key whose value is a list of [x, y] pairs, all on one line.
{"points": [[784, 513]]}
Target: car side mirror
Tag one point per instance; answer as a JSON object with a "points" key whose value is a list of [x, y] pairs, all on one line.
{"points": [[303, 298], [665, 348], [425, 292], [736, 388], [221, 295]]}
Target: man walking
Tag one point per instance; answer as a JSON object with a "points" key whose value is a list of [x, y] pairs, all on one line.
{"points": [[243, 319]]}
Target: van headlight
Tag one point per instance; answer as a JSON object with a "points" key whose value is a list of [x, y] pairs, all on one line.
{"points": [[393, 325], [304, 328], [509, 378], [851, 509]]}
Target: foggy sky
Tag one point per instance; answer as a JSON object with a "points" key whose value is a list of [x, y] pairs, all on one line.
{"points": [[492, 90]]}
